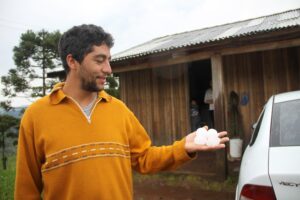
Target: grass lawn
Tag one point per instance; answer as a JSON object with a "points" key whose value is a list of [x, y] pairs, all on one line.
{"points": [[7, 179]]}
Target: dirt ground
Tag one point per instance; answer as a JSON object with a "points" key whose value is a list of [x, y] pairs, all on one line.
{"points": [[179, 193], [173, 187]]}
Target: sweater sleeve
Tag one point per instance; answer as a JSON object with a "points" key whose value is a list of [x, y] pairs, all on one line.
{"points": [[146, 158], [28, 182]]}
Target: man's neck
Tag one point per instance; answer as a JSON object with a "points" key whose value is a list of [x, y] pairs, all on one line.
{"points": [[82, 97]]}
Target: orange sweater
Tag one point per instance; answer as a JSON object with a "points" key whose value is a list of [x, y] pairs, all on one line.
{"points": [[65, 156]]}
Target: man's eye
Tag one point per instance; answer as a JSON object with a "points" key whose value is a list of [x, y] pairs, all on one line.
{"points": [[99, 61]]}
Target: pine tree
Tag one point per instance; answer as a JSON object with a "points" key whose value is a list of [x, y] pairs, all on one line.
{"points": [[35, 55]]}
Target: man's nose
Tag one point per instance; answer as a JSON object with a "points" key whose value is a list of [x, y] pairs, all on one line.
{"points": [[107, 68]]}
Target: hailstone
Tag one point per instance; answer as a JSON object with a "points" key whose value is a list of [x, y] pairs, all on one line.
{"points": [[204, 137]]}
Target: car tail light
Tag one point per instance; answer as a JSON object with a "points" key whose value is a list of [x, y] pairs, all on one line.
{"points": [[257, 192]]}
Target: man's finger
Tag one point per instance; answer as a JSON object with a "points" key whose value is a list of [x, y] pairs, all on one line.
{"points": [[222, 134], [224, 140]]}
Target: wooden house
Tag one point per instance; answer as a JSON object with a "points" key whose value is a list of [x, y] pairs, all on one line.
{"points": [[255, 58]]}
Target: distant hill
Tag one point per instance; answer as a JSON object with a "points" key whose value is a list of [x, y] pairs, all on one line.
{"points": [[15, 112]]}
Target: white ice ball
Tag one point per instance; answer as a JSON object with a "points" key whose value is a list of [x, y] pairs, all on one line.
{"points": [[201, 136], [212, 133], [213, 141], [212, 137], [201, 131], [200, 140]]}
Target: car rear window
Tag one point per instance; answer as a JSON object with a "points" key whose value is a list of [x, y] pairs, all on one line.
{"points": [[285, 128]]}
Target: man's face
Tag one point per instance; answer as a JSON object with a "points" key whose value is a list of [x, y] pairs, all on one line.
{"points": [[94, 68]]}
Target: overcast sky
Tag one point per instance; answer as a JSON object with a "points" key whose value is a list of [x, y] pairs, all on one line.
{"points": [[131, 22]]}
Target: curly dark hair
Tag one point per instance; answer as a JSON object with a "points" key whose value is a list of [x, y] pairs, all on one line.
{"points": [[79, 41]]}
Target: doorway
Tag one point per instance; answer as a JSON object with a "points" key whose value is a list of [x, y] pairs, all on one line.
{"points": [[200, 77]]}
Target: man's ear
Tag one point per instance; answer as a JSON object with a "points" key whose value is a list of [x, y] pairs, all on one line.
{"points": [[72, 63]]}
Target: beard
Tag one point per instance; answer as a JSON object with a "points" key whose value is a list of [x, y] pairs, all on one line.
{"points": [[89, 81], [90, 85]]}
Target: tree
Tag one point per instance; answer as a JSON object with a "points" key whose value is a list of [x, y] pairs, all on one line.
{"points": [[113, 86], [8, 129], [35, 55]]}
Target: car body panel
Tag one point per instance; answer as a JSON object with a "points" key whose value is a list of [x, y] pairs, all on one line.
{"points": [[255, 165], [284, 163]]}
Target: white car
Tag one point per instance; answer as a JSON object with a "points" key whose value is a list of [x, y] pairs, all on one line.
{"points": [[270, 167]]}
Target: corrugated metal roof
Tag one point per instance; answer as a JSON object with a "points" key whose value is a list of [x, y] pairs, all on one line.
{"points": [[277, 21]]}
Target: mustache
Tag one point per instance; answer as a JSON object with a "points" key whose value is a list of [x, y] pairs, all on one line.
{"points": [[99, 76]]}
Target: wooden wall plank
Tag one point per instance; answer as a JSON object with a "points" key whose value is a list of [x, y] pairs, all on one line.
{"points": [[158, 98]]}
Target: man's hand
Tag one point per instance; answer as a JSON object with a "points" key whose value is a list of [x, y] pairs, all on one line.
{"points": [[191, 147]]}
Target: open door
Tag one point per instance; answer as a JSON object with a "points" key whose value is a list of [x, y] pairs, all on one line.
{"points": [[200, 75], [200, 94]]}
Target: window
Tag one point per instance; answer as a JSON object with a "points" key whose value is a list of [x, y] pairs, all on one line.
{"points": [[256, 127], [285, 130]]}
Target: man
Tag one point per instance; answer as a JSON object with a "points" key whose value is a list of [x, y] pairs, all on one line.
{"points": [[80, 143], [208, 99]]}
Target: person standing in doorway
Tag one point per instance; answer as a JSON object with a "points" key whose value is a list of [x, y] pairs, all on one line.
{"points": [[208, 99]]}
